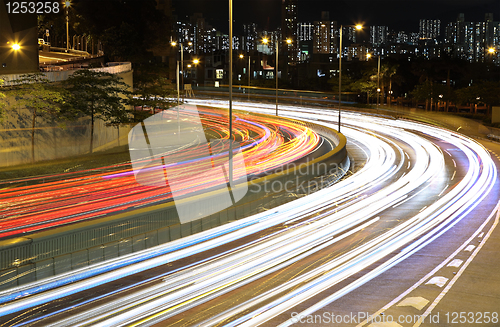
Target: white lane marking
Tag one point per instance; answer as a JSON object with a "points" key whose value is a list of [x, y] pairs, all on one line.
{"points": [[439, 281], [481, 235], [444, 189], [441, 265], [454, 163], [466, 264], [408, 167], [417, 302], [385, 324], [453, 177], [407, 156], [455, 263], [470, 248], [414, 195], [447, 152], [423, 209]]}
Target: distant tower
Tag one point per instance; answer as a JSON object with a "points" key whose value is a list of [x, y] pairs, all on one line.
{"points": [[325, 36], [289, 29], [430, 28], [378, 35]]}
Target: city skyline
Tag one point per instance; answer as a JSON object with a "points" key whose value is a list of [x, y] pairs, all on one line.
{"points": [[401, 16]]}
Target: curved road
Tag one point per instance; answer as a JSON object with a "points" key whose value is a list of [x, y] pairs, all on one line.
{"points": [[411, 188]]}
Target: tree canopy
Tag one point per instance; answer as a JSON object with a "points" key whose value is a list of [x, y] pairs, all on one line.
{"points": [[98, 95], [34, 92]]}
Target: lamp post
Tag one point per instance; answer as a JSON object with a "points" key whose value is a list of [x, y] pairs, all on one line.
{"points": [[173, 43], [492, 51], [378, 83], [67, 4], [230, 91], [177, 82], [358, 27], [266, 41], [248, 73]]}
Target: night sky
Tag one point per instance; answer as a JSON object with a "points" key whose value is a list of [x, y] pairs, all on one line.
{"points": [[397, 14]]}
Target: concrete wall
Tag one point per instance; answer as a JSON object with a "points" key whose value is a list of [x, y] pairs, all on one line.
{"points": [[495, 114], [52, 141]]}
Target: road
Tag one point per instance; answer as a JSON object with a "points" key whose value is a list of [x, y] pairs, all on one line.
{"points": [[411, 187], [68, 198]]}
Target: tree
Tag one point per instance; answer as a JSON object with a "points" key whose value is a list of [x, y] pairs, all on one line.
{"points": [[367, 86], [98, 95], [128, 30], [151, 91], [34, 92], [429, 91], [486, 92]]}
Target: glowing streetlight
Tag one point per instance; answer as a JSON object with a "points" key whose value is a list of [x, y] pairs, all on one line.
{"points": [[358, 27], [491, 50], [248, 73], [16, 47], [266, 41], [67, 4], [196, 61], [181, 49]]}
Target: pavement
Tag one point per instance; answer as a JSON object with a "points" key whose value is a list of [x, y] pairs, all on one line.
{"points": [[60, 58], [454, 281]]}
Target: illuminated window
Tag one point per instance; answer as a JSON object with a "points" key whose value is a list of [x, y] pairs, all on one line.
{"points": [[219, 73]]}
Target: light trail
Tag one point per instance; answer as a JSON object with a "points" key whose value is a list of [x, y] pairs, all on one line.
{"points": [[313, 224], [70, 199]]}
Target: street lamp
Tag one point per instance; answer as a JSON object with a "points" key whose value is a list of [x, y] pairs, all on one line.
{"points": [[230, 91], [16, 47], [358, 27], [67, 4], [173, 43], [492, 51], [378, 83], [248, 73], [266, 41], [369, 55]]}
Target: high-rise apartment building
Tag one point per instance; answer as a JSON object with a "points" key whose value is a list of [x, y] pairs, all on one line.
{"points": [[305, 31], [430, 29], [378, 35], [325, 37], [289, 29], [250, 37], [471, 40]]}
